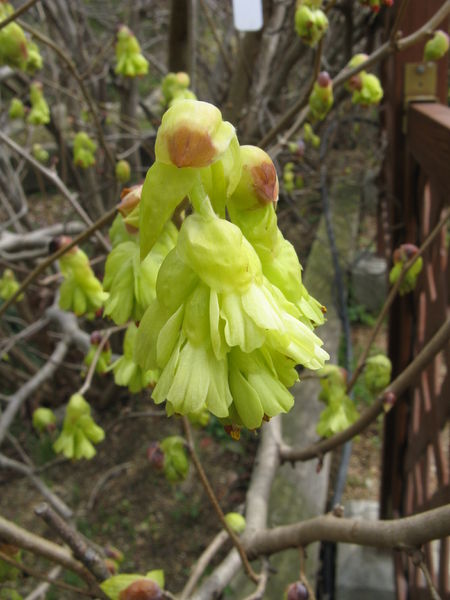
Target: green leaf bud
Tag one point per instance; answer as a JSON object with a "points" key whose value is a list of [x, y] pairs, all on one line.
{"points": [[129, 60], [16, 109], [123, 171], [84, 149], [9, 285], [40, 153], [44, 419], [13, 43], [401, 256], [236, 522], [321, 98], [40, 112], [377, 373], [437, 47]]}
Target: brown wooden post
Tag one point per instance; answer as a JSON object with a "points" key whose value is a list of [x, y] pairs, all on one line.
{"points": [[417, 179]]}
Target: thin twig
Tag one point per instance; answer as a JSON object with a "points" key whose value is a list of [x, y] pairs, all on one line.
{"points": [[398, 19], [41, 590], [38, 575], [19, 397], [303, 578], [202, 563], [215, 33], [212, 498], [51, 259], [106, 334], [57, 182], [298, 105], [345, 74], [418, 559], [258, 594], [86, 554], [113, 472], [71, 66], [391, 297], [11, 533], [16, 14], [397, 387], [55, 501]]}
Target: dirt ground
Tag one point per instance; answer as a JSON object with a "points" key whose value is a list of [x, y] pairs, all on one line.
{"points": [[120, 500]]}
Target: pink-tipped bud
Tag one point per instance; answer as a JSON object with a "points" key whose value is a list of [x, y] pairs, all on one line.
{"points": [[324, 79], [297, 591], [155, 456], [389, 399], [129, 199]]}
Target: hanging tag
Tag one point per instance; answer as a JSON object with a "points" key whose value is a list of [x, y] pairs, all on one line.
{"points": [[248, 15]]}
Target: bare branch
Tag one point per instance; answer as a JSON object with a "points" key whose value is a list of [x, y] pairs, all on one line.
{"points": [[409, 532], [57, 182], [86, 554], [34, 573], [18, 467], [51, 259], [16, 14], [202, 563], [398, 386], [11, 533], [212, 498], [19, 397]]}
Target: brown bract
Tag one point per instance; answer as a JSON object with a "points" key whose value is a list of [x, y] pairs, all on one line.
{"points": [[190, 148], [265, 182], [142, 589], [130, 198]]}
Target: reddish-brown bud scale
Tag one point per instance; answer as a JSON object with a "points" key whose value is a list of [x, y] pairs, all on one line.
{"points": [[297, 591], [190, 148], [155, 456], [323, 79], [265, 182], [59, 242], [142, 589]]}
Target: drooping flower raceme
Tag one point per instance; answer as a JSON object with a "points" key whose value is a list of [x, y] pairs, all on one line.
{"points": [[226, 318], [221, 334], [80, 291]]}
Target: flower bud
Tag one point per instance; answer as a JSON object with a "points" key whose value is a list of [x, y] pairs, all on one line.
{"points": [[377, 373], [192, 134], [155, 456], [84, 149], [13, 44], [258, 185], [297, 591], [16, 109], [44, 419], [123, 171], [321, 98], [236, 522], [389, 399], [402, 255], [40, 112], [437, 47], [40, 153]]}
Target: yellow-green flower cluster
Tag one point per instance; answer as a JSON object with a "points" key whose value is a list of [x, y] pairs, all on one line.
{"points": [[130, 61], [310, 21], [340, 411], [80, 432], [366, 87], [9, 285], [16, 50], [231, 318], [126, 371], [40, 112], [81, 291], [175, 86], [84, 149]]}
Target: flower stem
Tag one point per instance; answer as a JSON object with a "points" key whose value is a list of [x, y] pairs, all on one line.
{"points": [[215, 503]]}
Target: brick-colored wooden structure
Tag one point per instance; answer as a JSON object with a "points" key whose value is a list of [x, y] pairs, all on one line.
{"points": [[417, 179]]}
